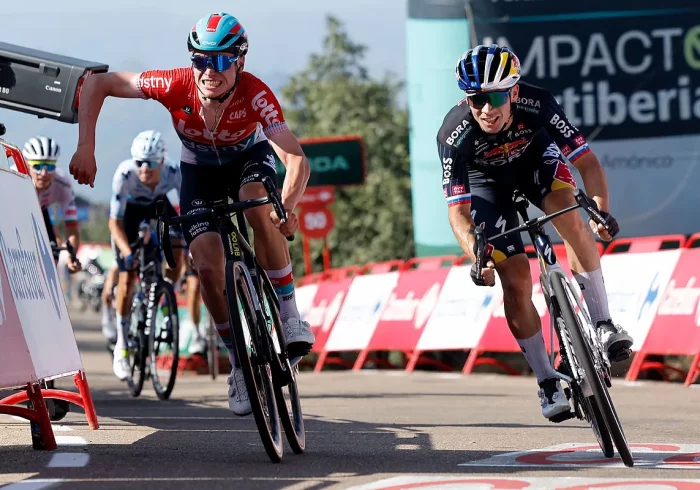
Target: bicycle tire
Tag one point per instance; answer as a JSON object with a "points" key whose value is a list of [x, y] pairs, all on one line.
{"points": [[257, 375], [290, 411], [137, 359], [583, 354], [171, 337], [212, 349]]}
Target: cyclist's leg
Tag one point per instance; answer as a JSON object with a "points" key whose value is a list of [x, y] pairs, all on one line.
{"points": [[198, 344], [271, 248], [133, 216], [551, 192], [201, 185]]}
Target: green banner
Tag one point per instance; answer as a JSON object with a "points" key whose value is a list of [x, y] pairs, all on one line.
{"points": [[334, 161]]}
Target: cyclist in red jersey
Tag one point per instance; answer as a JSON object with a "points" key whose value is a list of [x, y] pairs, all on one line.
{"points": [[229, 123]]}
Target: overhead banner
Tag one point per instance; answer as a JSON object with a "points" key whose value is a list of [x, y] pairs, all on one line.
{"points": [[629, 79]]}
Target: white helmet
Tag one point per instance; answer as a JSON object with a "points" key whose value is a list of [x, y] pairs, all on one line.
{"points": [[148, 145], [41, 148]]}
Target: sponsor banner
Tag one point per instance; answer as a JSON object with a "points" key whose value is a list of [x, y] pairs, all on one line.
{"points": [[360, 311], [676, 326], [461, 313], [407, 310], [17, 368], [635, 283], [324, 308], [33, 280]]}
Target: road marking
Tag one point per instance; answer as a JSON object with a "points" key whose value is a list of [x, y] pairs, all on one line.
{"points": [[37, 484], [69, 460], [407, 447], [580, 455], [70, 441], [61, 428], [426, 482]]}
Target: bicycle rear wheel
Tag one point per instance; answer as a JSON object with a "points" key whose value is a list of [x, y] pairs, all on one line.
{"points": [[253, 358], [582, 351], [164, 339], [212, 349], [288, 399]]}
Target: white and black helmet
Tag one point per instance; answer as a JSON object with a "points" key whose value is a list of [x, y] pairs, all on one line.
{"points": [[148, 145], [41, 148]]}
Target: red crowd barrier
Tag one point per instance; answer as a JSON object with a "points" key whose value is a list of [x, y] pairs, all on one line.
{"points": [[430, 304]]}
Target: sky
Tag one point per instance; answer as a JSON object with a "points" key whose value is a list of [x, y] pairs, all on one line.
{"points": [[135, 35]]}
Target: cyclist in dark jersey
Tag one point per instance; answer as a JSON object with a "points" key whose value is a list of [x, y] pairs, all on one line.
{"points": [[506, 135]]}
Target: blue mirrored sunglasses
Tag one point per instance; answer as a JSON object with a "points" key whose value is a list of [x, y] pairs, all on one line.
{"points": [[496, 99], [218, 62], [38, 165]]}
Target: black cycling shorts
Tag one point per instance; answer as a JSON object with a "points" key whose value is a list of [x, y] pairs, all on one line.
{"points": [[202, 184], [134, 215], [539, 171]]}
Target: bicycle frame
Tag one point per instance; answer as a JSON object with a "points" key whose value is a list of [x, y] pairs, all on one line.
{"points": [[551, 270]]}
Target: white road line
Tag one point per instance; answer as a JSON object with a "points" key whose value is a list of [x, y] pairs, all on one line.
{"points": [[411, 447], [61, 428], [37, 484], [69, 460], [70, 441]]}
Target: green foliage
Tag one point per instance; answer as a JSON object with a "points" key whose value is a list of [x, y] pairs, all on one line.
{"points": [[335, 96]]}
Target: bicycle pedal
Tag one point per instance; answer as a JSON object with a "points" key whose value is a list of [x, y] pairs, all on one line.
{"points": [[620, 355], [562, 417], [298, 349]]}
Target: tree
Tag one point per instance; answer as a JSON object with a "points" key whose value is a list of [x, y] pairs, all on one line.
{"points": [[335, 96]]}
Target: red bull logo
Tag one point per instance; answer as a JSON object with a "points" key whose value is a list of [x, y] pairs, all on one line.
{"points": [[506, 148]]}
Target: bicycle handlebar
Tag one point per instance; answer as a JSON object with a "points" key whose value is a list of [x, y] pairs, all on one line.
{"points": [[582, 201], [165, 222], [68, 247]]}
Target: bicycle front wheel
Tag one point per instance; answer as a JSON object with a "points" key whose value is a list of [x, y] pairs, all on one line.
{"points": [[288, 399], [584, 355], [252, 356], [164, 339]]}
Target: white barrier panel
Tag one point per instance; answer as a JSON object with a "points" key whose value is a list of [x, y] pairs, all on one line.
{"points": [[304, 296], [462, 312], [33, 281], [635, 283], [360, 312]]}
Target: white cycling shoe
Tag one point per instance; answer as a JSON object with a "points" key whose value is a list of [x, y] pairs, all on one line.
{"points": [[238, 401], [120, 365], [552, 398], [300, 339]]}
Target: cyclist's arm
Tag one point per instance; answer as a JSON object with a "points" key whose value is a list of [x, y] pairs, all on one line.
{"points": [[95, 90], [574, 146], [455, 186], [70, 216], [292, 156], [594, 179], [117, 208]]}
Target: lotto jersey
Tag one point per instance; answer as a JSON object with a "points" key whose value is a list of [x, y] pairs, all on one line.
{"points": [[253, 114]]}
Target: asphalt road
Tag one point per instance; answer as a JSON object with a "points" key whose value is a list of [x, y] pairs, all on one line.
{"points": [[362, 428]]}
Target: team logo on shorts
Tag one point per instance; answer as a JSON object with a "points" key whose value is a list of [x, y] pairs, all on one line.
{"points": [[198, 202]]}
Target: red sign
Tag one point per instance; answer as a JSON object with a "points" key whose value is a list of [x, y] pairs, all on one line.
{"points": [[407, 310], [317, 196], [676, 327], [316, 222], [325, 308]]}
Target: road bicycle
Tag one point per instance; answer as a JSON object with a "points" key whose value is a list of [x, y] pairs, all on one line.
{"points": [[584, 364], [253, 307]]}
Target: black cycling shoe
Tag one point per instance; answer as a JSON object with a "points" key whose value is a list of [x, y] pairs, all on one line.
{"points": [[616, 341]]}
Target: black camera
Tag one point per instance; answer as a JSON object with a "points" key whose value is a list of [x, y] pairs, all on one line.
{"points": [[43, 84]]}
